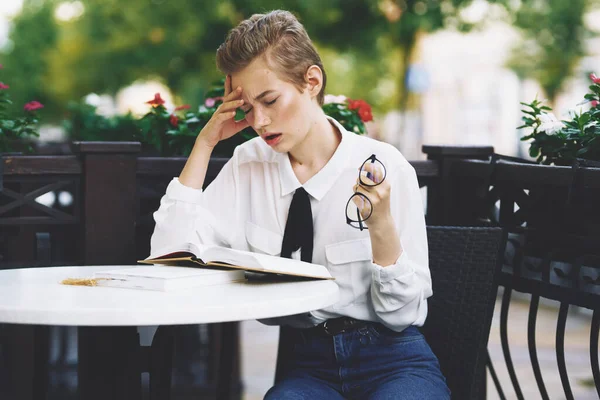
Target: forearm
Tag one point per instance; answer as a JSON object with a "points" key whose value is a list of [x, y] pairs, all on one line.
{"points": [[194, 171], [385, 243]]}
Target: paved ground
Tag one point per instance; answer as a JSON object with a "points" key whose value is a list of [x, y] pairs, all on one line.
{"points": [[259, 348]]}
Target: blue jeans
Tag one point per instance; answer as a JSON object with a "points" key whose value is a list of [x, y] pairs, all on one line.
{"points": [[370, 363]]}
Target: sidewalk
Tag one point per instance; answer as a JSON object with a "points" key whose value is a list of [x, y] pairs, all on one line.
{"points": [[259, 352]]}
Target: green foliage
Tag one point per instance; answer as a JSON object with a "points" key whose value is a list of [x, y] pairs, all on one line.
{"points": [[33, 38], [352, 114], [553, 37], [560, 143], [174, 133], [84, 124], [115, 43]]}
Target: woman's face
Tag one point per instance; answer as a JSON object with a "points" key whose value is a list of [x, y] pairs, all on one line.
{"points": [[276, 109]]}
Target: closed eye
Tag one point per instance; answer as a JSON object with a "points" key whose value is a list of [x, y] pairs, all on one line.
{"points": [[268, 103]]}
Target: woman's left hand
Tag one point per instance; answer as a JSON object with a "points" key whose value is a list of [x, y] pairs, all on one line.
{"points": [[378, 195]]}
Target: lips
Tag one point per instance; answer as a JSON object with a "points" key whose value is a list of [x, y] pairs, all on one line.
{"points": [[272, 138]]}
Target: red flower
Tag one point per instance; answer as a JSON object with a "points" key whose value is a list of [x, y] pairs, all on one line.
{"points": [[365, 114], [156, 101], [173, 120], [594, 78], [2, 85], [33, 105], [183, 107], [364, 109]]}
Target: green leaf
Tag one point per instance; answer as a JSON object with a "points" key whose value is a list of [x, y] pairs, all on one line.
{"points": [[584, 119], [7, 124], [533, 151], [239, 115], [583, 151]]}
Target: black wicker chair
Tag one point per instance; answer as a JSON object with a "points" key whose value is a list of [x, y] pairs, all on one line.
{"points": [[464, 264]]}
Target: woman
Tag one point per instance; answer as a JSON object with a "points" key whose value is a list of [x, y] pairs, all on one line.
{"points": [[287, 193]]}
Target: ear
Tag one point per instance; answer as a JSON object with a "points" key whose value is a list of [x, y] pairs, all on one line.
{"points": [[314, 80]]}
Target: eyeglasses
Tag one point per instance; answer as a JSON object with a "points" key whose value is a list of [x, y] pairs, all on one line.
{"points": [[375, 171]]}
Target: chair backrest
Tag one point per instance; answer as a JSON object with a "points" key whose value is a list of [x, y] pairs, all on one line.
{"points": [[464, 264]]}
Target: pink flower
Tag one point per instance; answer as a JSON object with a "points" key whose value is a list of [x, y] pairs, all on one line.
{"points": [[183, 107], [594, 103], [3, 86], [156, 101], [173, 120], [33, 105], [210, 102], [594, 78]]}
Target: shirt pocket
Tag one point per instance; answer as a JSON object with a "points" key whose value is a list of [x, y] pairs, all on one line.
{"points": [[350, 263], [262, 240]]}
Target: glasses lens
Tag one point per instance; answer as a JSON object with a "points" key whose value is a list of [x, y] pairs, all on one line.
{"points": [[359, 208], [372, 173]]}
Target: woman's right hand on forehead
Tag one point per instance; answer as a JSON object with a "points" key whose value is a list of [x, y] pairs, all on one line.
{"points": [[222, 126]]}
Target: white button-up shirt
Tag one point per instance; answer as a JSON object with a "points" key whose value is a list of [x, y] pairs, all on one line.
{"points": [[246, 208]]}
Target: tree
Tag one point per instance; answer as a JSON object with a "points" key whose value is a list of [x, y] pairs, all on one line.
{"points": [[553, 37], [114, 43], [33, 37]]}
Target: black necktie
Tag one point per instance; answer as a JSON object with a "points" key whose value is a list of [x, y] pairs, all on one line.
{"points": [[299, 227]]}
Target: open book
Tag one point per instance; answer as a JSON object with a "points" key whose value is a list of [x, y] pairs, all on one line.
{"points": [[223, 257]]}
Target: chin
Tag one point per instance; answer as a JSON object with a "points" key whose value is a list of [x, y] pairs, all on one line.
{"points": [[281, 149]]}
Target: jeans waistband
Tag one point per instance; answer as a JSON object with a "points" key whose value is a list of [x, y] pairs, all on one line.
{"points": [[334, 326]]}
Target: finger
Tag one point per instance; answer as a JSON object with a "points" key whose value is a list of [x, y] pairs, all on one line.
{"points": [[377, 175], [360, 203], [367, 191], [227, 85], [230, 105], [234, 95], [224, 116], [374, 172], [372, 193], [364, 178]]}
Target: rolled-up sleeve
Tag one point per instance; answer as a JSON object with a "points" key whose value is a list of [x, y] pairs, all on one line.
{"points": [[188, 215], [399, 292]]}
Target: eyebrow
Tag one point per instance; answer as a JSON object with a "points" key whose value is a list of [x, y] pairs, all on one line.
{"points": [[263, 94]]}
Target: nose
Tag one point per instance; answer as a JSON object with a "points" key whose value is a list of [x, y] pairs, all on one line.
{"points": [[260, 120]]}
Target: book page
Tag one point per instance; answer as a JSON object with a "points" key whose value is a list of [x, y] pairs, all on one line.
{"points": [[263, 262], [226, 255], [176, 251], [291, 267]]}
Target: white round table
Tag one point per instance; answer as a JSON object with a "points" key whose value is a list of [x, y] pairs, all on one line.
{"points": [[109, 351], [35, 296]]}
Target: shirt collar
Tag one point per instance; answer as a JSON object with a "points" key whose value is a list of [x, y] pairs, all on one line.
{"points": [[322, 181]]}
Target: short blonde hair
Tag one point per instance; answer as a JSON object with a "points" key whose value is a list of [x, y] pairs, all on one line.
{"points": [[281, 39]]}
